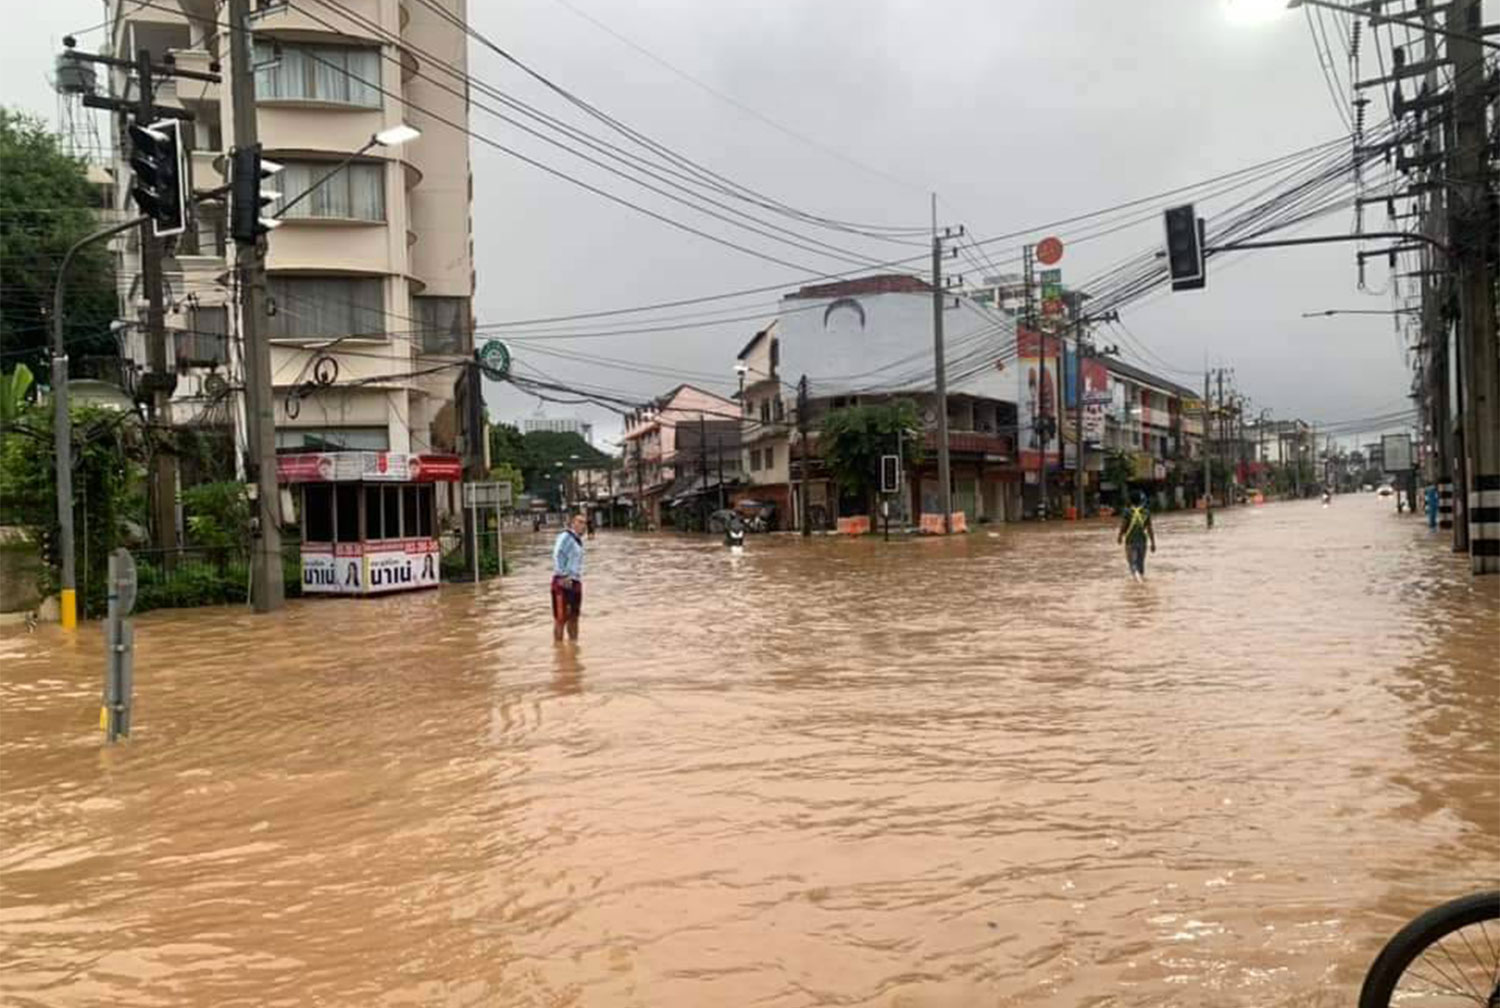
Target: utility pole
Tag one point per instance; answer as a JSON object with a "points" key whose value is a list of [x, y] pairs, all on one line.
{"points": [[163, 461], [703, 470], [640, 504], [719, 442], [1081, 354], [1028, 315], [1208, 490], [940, 375], [802, 451], [1471, 233], [1219, 433], [267, 593]]}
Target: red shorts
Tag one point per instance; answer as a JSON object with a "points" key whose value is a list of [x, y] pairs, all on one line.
{"points": [[567, 603]]}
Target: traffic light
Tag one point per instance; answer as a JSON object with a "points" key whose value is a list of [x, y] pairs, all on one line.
{"points": [[1184, 247], [890, 473], [159, 169], [247, 169]]}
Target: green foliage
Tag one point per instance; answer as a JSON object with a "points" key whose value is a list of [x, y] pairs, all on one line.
{"points": [[852, 440], [13, 390], [507, 472], [218, 515], [453, 567], [106, 479], [537, 455], [1118, 469], [47, 204], [192, 582]]}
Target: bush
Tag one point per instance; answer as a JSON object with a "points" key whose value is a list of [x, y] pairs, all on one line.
{"points": [[191, 584]]}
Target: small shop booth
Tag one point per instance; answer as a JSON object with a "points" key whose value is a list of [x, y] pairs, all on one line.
{"points": [[369, 519]]}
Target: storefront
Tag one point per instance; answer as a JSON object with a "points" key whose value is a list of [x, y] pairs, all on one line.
{"points": [[369, 519]]}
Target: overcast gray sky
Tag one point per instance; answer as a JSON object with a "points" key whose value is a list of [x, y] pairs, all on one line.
{"points": [[1016, 113]]}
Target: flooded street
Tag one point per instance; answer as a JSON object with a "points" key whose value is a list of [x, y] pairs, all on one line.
{"points": [[988, 770]]}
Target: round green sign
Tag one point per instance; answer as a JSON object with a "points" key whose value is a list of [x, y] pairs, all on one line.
{"points": [[494, 360]]}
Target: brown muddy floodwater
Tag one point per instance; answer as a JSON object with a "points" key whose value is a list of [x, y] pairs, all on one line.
{"points": [[989, 770]]}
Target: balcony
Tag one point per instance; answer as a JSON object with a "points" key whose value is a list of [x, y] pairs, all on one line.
{"points": [[997, 447], [192, 92]]}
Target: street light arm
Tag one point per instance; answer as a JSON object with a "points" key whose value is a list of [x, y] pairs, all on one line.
{"points": [[62, 272], [62, 428]]}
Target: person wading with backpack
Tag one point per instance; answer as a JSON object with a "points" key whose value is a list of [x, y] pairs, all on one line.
{"points": [[1135, 533]]}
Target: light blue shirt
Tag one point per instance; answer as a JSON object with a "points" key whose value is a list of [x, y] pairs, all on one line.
{"points": [[567, 555]]}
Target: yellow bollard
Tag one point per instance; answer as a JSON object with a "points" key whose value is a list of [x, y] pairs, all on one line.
{"points": [[68, 609]]}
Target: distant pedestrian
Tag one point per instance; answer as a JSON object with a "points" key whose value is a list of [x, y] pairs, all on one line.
{"points": [[1135, 533], [567, 578], [1430, 499]]}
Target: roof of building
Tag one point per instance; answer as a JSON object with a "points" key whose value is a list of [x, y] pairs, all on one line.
{"points": [[753, 340], [1119, 367], [884, 283]]}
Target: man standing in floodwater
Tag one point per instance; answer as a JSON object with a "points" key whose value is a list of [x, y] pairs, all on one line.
{"points": [[1135, 533], [567, 578]]}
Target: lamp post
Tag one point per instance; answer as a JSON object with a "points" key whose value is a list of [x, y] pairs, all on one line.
{"points": [[395, 136]]}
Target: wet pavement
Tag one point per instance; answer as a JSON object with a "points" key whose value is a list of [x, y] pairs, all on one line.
{"points": [[988, 770]]}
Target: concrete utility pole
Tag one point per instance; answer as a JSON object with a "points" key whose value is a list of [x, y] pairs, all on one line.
{"points": [[1471, 232], [1081, 354], [1434, 322], [1208, 490], [267, 591], [802, 400], [940, 376], [163, 462]]}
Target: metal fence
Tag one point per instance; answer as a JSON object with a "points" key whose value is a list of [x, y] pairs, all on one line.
{"points": [[191, 576]]}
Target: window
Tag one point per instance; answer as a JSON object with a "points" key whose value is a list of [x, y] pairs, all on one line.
{"points": [[339, 74], [346, 513], [317, 513], [770, 458], [444, 324], [410, 508], [765, 411], [355, 192], [318, 308], [780, 409], [390, 519], [205, 342]]}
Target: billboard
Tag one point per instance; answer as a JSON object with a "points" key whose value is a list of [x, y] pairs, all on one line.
{"points": [[1039, 397], [1396, 449]]}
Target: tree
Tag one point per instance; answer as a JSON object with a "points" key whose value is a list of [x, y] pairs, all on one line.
{"points": [[46, 204], [107, 478], [506, 472], [853, 438]]}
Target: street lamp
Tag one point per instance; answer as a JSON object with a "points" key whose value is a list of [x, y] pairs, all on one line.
{"points": [[395, 136]]}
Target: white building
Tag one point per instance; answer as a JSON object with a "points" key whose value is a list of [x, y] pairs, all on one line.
{"points": [[558, 425], [373, 270]]}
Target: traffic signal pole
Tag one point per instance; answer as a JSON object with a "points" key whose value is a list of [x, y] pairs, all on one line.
{"points": [[267, 592], [62, 430], [163, 461]]}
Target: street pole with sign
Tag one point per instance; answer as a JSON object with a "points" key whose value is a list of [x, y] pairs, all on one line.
{"points": [[119, 635]]}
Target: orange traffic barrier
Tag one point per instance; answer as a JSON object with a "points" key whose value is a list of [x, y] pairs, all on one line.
{"points": [[932, 523], [855, 525]]}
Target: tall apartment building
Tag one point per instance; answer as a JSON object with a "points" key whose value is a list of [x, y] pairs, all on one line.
{"points": [[558, 425], [374, 268]]}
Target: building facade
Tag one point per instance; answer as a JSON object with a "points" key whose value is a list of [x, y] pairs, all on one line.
{"points": [[370, 276], [650, 461], [558, 425]]}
